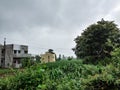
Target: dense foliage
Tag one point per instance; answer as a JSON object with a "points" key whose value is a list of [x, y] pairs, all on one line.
{"points": [[65, 75], [27, 62], [98, 41], [4, 72]]}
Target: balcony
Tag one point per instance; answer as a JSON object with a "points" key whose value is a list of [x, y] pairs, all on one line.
{"points": [[21, 55]]}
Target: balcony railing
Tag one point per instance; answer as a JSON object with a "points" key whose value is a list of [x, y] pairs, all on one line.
{"points": [[21, 55]]}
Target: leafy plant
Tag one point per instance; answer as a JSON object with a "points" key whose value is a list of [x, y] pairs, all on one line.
{"points": [[64, 75]]}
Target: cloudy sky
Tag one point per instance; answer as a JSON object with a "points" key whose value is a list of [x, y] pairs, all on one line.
{"points": [[44, 24]]}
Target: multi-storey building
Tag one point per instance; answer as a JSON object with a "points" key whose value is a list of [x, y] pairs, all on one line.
{"points": [[11, 55]]}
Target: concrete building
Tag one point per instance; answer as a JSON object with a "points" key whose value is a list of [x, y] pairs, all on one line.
{"points": [[1, 47], [11, 55], [48, 57]]}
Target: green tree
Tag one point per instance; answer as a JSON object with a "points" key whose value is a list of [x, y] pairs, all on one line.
{"points": [[98, 40], [59, 58], [51, 51], [38, 58]]}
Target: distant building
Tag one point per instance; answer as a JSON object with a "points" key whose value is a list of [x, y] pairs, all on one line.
{"points": [[11, 55], [48, 57]]}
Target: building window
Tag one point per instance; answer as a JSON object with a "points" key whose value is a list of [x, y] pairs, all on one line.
{"points": [[18, 61], [19, 51], [14, 61], [15, 51], [25, 52], [1, 61], [2, 51]]}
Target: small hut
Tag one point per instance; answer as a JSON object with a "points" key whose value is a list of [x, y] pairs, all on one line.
{"points": [[49, 56]]}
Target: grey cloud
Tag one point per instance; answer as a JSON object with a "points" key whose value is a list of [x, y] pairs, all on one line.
{"points": [[28, 13], [55, 13], [51, 23]]}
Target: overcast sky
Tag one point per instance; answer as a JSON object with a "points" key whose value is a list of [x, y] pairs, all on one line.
{"points": [[52, 24]]}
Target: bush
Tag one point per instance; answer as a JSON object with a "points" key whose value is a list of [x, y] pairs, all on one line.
{"points": [[27, 62]]}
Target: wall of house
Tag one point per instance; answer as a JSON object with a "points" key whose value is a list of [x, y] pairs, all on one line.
{"points": [[20, 49], [21, 52], [2, 62], [0, 54], [47, 57], [8, 56], [17, 63], [12, 52], [24, 49], [44, 58]]}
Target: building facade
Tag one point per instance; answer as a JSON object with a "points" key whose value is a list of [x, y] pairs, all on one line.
{"points": [[11, 55], [1, 47], [48, 57]]}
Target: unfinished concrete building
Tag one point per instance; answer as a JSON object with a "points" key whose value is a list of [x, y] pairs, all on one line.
{"points": [[11, 55]]}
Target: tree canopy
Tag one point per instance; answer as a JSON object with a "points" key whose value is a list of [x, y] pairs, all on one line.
{"points": [[51, 51], [98, 40]]}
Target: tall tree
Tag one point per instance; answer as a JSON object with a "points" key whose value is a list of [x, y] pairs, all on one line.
{"points": [[98, 40]]}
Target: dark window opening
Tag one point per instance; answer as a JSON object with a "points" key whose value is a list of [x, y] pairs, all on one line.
{"points": [[19, 51], [14, 61], [15, 51], [25, 52], [2, 51], [1, 61], [18, 61]]}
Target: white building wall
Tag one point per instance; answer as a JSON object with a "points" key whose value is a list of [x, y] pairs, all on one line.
{"points": [[18, 65], [0, 54], [16, 47]]}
